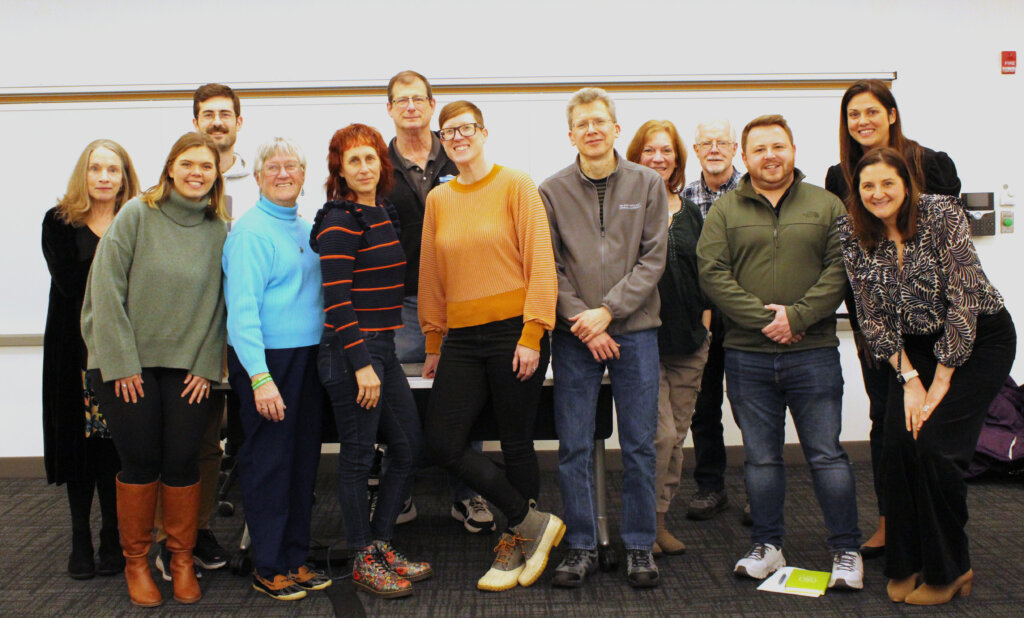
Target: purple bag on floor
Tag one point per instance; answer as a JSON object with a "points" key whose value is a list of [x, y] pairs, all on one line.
{"points": [[1001, 444]]}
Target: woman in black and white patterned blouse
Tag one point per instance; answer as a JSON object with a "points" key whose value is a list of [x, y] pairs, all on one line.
{"points": [[927, 308]]}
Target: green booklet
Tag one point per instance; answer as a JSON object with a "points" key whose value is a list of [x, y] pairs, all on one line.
{"points": [[809, 583]]}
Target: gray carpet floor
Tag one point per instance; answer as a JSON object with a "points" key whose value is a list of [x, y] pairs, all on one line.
{"points": [[35, 541]]}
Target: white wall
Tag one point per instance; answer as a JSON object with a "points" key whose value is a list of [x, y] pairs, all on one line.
{"points": [[946, 55]]}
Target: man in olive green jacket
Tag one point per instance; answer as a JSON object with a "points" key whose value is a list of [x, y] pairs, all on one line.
{"points": [[770, 259]]}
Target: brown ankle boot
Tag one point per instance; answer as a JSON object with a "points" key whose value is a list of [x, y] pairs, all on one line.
{"points": [[926, 594], [135, 507], [181, 519], [668, 544]]}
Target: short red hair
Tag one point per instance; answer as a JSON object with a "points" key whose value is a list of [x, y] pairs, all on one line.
{"points": [[351, 136]]}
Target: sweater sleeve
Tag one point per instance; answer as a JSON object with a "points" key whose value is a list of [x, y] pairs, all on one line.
{"points": [[60, 251], [248, 259], [960, 271], [534, 236], [105, 324], [632, 291], [432, 302], [821, 299], [339, 245], [714, 260], [569, 303]]}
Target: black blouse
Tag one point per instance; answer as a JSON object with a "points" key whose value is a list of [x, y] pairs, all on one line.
{"points": [[941, 285]]}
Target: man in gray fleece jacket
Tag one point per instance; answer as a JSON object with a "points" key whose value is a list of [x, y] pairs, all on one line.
{"points": [[609, 226], [769, 258]]}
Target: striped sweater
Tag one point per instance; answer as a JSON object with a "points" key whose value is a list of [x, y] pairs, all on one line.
{"points": [[486, 256], [363, 270]]}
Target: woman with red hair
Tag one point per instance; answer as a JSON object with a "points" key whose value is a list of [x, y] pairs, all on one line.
{"points": [[363, 270]]}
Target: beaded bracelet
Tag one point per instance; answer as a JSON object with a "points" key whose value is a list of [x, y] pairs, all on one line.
{"points": [[261, 382]]}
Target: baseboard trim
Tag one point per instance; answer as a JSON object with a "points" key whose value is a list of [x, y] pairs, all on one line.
{"points": [[32, 467]]}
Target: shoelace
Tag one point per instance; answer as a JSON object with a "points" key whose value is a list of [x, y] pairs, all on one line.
{"points": [[640, 559], [506, 545], [757, 552], [576, 558], [477, 505], [846, 560]]}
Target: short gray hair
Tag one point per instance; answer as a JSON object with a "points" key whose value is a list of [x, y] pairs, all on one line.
{"points": [[277, 145], [589, 95], [701, 126]]}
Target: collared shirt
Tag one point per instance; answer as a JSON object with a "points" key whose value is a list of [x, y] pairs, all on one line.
{"points": [[699, 193], [421, 180]]}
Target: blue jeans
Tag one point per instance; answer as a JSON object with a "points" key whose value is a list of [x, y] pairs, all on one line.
{"points": [[634, 376], [395, 417], [410, 346], [810, 382]]}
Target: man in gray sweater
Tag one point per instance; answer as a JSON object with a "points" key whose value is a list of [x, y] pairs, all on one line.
{"points": [[609, 233]]}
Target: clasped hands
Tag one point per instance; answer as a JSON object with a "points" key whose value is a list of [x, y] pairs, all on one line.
{"points": [[591, 328], [778, 330]]}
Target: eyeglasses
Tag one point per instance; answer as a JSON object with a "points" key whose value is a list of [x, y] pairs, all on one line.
{"points": [[716, 143], [599, 124], [273, 169], [404, 101], [466, 130]]}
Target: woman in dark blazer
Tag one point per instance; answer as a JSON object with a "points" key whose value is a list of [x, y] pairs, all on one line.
{"points": [[77, 448], [869, 119]]}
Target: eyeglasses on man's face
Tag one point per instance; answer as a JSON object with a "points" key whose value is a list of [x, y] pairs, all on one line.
{"points": [[465, 130], [404, 101], [716, 143]]}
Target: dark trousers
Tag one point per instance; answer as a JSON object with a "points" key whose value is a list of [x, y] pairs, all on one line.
{"points": [[476, 363], [876, 385], [706, 425], [394, 419], [277, 461], [927, 495], [158, 436]]}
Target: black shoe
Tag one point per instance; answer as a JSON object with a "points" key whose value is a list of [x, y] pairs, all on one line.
{"points": [[163, 563], [706, 504], [80, 562], [208, 553], [109, 559], [641, 572], [575, 567]]}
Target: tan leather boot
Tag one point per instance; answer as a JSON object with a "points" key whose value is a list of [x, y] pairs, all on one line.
{"points": [[665, 541], [181, 518], [135, 507]]}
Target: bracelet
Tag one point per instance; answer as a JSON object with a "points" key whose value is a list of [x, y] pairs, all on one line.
{"points": [[261, 382]]}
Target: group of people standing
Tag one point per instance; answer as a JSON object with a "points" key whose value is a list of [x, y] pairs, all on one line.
{"points": [[426, 250]]}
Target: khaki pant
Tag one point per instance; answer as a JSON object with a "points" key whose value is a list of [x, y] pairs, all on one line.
{"points": [[677, 397]]}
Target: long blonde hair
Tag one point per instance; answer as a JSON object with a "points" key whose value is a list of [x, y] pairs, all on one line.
{"points": [[74, 207], [159, 192]]}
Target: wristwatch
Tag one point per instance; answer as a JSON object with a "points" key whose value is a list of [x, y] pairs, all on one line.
{"points": [[903, 378]]}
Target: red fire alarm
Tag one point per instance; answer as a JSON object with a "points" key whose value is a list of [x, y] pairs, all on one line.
{"points": [[1009, 62]]}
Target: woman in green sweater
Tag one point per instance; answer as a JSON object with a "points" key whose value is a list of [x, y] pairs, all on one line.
{"points": [[153, 322]]}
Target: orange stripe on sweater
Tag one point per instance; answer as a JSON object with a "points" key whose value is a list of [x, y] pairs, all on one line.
{"points": [[340, 229]]}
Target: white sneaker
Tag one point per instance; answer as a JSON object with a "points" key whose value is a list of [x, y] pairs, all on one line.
{"points": [[474, 514], [847, 570], [762, 560], [408, 512]]}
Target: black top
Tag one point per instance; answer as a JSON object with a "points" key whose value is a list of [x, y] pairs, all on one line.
{"points": [[940, 287], [940, 176], [410, 207], [68, 251], [682, 302]]}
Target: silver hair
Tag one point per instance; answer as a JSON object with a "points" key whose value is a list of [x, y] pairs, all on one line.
{"points": [[278, 145], [709, 123], [589, 95]]}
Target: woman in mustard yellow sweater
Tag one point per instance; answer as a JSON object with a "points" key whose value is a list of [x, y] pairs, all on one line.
{"points": [[487, 287]]}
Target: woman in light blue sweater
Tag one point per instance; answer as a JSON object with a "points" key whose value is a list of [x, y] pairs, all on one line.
{"points": [[272, 289]]}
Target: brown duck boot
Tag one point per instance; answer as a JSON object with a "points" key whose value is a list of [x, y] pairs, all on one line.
{"points": [[665, 541], [181, 518], [135, 507], [539, 532]]}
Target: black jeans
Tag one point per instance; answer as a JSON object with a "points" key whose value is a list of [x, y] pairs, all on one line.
{"points": [[158, 436], [706, 426], [476, 363], [927, 495], [394, 419]]}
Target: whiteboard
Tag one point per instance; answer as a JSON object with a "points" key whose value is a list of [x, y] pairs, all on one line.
{"points": [[527, 131]]}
